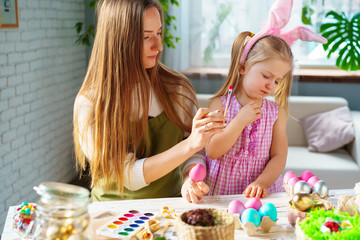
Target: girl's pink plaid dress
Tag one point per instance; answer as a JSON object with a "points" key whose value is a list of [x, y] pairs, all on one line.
{"points": [[245, 161]]}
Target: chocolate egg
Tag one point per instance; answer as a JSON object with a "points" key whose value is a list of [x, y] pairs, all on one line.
{"points": [[302, 201], [321, 188], [302, 187]]}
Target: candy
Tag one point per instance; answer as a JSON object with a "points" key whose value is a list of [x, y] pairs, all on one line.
{"points": [[24, 215]]}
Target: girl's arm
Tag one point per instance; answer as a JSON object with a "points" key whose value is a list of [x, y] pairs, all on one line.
{"points": [[220, 143], [277, 162]]}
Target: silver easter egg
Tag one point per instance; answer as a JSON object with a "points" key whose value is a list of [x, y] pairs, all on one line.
{"points": [[302, 187], [321, 188]]}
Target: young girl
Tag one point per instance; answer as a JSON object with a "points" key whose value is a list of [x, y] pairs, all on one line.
{"points": [[132, 113], [250, 154]]}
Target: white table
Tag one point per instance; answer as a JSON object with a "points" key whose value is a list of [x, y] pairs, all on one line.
{"points": [[282, 229]]}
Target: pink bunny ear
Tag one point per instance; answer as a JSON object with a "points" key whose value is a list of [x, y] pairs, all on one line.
{"points": [[278, 18], [304, 34], [279, 14]]}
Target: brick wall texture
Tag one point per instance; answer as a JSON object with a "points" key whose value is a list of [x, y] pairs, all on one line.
{"points": [[41, 70]]}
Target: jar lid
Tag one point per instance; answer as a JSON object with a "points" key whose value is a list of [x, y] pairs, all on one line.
{"points": [[62, 190]]}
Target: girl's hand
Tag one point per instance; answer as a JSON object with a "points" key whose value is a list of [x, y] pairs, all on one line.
{"points": [[250, 112], [193, 191], [256, 189], [204, 127]]}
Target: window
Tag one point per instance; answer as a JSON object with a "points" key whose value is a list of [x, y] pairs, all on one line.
{"points": [[208, 27]]}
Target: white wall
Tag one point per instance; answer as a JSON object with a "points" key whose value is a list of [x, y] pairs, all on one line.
{"points": [[41, 70]]}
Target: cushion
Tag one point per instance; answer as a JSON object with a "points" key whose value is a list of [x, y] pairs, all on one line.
{"points": [[328, 131]]}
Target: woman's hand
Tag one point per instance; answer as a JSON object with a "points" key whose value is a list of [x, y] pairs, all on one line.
{"points": [[193, 191], [204, 126], [256, 189]]}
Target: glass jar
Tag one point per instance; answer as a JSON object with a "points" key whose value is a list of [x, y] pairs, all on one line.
{"points": [[61, 213]]}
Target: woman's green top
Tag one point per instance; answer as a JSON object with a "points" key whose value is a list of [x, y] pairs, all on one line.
{"points": [[161, 135]]}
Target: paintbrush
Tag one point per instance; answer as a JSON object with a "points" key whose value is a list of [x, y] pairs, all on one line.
{"points": [[228, 100]]}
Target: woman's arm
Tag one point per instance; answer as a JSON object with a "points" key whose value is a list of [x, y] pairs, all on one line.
{"points": [[161, 164], [220, 143], [277, 162]]}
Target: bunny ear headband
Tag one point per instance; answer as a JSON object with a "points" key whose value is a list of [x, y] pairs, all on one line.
{"points": [[279, 16]]}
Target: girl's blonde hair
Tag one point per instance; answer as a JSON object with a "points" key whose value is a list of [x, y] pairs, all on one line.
{"points": [[118, 87], [263, 49]]}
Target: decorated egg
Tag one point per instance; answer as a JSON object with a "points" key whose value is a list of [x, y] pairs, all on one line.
{"points": [[254, 203], [292, 181], [321, 188], [306, 175], [288, 175], [302, 187], [268, 209], [313, 180], [302, 201], [197, 172], [235, 206], [250, 215]]}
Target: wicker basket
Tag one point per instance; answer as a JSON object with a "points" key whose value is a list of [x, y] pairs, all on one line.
{"points": [[224, 228]]}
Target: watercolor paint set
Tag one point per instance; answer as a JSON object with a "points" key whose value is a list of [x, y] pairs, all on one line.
{"points": [[125, 226]]}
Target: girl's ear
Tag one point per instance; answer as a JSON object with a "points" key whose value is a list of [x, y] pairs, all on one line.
{"points": [[242, 70]]}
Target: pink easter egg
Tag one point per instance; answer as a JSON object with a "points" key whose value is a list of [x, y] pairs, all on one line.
{"points": [[254, 203], [313, 180], [197, 172], [292, 181], [288, 175], [235, 206], [306, 175]]}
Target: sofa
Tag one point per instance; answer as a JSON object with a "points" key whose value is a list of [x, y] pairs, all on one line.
{"points": [[339, 168]]}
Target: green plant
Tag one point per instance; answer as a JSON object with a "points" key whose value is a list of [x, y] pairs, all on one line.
{"points": [[343, 34], [86, 35], [222, 12]]}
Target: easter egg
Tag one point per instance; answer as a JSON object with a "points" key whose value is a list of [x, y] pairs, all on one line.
{"points": [[302, 187], [313, 180], [250, 215], [268, 209], [197, 172], [292, 181], [288, 175], [254, 203], [302, 201], [321, 188], [235, 206], [306, 175]]}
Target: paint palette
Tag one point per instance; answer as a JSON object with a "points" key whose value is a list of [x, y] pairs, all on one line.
{"points": [[125, 226]]}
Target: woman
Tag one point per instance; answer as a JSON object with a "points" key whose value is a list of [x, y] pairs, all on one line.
{"points": [[133, 116]]}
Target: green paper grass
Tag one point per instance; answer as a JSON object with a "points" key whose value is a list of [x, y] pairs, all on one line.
{"points": [[314, 219]]}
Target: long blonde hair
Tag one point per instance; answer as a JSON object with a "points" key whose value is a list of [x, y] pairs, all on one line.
{"points": [[263, 49], [115, 81]]}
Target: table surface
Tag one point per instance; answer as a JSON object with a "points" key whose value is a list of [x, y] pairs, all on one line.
{"points": [[282, 229]]}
